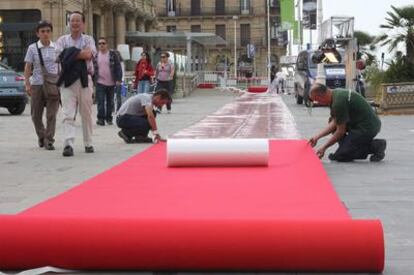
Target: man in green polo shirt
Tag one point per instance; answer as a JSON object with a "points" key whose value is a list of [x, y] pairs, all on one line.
{"points": [[353, 124]]}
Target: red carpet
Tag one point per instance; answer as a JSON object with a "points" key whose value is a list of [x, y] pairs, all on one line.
{"points": [[206, 86], [257, 89], [143, 215]]}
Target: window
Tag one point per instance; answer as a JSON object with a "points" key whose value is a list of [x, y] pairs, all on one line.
{"points": [[221, 31], [96, 26], [244, 34], [244, 6], [171, 28], [16, 34], [274, 3], [195, 7], [195, 28], [171, 7], [220, 7]]}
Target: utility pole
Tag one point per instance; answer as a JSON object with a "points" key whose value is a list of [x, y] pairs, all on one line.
{"points": [[298, 5], [235, 46], [320, 20]]}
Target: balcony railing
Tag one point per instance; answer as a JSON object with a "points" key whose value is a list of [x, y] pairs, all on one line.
{"points": [[206, 11]]}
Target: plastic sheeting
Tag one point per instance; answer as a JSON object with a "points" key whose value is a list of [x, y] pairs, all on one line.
{"points": [[217, 152], [249, 116]]}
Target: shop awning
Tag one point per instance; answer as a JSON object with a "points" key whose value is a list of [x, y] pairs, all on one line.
{"points": [[174, 39]]}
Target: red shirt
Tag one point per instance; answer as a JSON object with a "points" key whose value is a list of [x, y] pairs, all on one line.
{"points": [[143, 71]]}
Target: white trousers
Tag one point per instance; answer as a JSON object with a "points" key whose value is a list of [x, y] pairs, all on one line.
{"points": [[74, 99]]}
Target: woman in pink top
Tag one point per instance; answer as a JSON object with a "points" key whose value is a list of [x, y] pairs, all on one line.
{"points": [[165, 75]]}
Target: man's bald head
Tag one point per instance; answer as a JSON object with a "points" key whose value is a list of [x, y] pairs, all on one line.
{"points": [[319, 89], [320, 93]]}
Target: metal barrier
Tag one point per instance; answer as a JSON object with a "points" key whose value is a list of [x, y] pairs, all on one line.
{"points": [[220, 79]]}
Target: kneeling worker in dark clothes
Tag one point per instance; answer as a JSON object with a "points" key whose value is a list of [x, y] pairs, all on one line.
{"points": [[136, 117], [353, 124]]}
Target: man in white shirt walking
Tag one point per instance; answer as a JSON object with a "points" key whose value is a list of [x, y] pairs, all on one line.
{"points": [[34, 80], [78, 96]]}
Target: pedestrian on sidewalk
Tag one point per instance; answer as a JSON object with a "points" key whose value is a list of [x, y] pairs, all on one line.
{"points": [[280, 81], [76, 51], [41, 85], [118, 88], [108, 75], [165, 75], [144, 74], [137, 117], [353, 124]]}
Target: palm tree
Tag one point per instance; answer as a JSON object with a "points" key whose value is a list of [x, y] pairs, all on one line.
{"points": [[365, 46], [401, 20]]}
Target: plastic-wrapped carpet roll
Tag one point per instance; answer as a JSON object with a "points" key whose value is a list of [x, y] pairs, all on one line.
{"points": [[217, 152]]}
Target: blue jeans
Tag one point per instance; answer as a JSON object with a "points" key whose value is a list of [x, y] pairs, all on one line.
{"points": [[133, 126], [143, 86], [118, 97], [105, 101]]}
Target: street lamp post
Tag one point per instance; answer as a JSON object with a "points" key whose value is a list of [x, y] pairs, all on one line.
{"points": [[268, 42], [235, 45]]}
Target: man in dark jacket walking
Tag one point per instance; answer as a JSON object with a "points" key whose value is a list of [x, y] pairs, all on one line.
{"points": [[108, 75]]}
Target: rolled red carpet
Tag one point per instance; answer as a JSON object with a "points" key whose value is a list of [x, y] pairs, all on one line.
{"points": [[142, 215], [257, 89], [206, 86], [262, 245]]}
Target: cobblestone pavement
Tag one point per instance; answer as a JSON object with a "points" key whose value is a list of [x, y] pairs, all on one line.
{"points": [[385, 190]]}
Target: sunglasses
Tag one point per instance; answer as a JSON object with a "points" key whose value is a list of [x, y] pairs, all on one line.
{"points": [[102, 43]]}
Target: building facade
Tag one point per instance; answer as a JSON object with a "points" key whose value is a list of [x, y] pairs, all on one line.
{"points": [[242, 23], [107, 18]]}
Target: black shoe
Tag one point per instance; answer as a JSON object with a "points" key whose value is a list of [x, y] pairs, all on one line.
{"points": [[331, 156], [109, 122], [49, 147], [41, 142], [89, 149], [378, 147], [100, 122], [124, 137], [141, 139], [68, 151]]}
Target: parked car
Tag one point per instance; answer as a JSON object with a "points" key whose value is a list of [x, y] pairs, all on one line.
{"points": [[306, 71], [12, 93]]}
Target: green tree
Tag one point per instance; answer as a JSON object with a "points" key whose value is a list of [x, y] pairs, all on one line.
{"points": [[365, 46], [401, 22]]}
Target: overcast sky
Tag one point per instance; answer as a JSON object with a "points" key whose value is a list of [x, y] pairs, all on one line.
{"points": [[368, 14]]}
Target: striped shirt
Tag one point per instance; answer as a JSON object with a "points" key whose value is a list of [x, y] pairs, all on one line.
{"points": [[49, 58], [85, 41], [164, 71]]}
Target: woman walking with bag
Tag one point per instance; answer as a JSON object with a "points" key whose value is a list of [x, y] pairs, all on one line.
{"points": [[41, 86], [165, 75]]}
